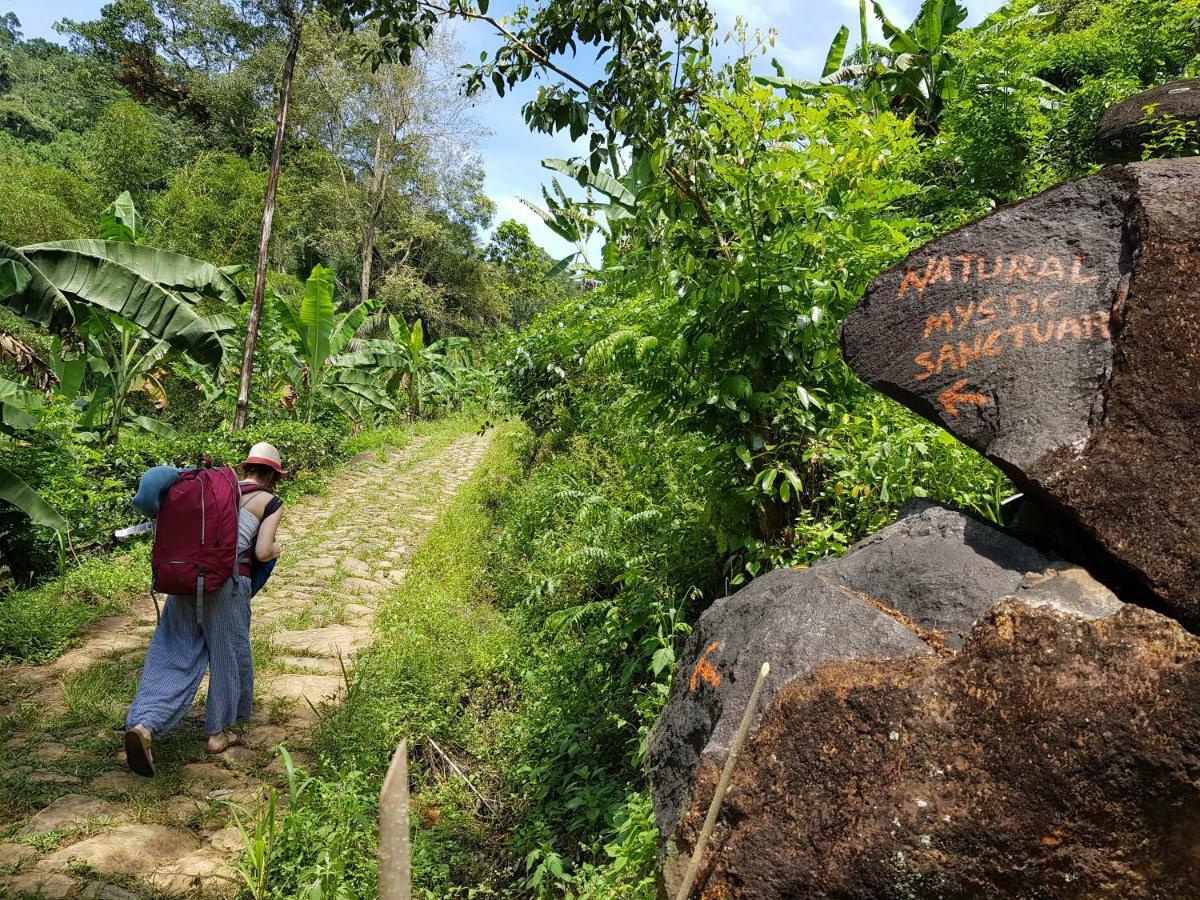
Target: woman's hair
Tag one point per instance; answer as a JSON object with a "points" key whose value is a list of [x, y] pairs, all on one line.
{"points": [[263, 474]]}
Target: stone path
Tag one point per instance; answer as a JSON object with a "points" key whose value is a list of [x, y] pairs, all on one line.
{"points": [[75, 823]]}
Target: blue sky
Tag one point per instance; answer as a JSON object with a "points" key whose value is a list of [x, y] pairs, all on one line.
{"points": [[511, 153]]}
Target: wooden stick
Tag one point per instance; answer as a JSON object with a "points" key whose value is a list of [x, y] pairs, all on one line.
{"points": [[490, 804], [395, 852], [714, 808]]}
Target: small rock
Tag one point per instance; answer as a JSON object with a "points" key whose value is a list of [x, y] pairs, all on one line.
{"points": [[208, 870], [356, 567], [182, 809], [99, 890], [316, 689], [116, 782], [300, 760], [364, 586], [333, 640], [50, 752], [264, 736], [128, 850], [37, 884], [70, 811], [47, 776], [12, 855], [199, 779], [227, 840], [240, 758]]}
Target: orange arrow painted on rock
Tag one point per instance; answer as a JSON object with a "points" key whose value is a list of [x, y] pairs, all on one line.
{"points": [[953, 395]]}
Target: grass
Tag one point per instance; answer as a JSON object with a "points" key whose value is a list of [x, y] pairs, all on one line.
{"points": [[442, 655], [37, 624]]}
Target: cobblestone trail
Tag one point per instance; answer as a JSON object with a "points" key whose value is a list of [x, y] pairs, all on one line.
{"points": [[110, 834]]}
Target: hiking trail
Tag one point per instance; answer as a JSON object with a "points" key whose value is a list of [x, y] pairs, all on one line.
{"points": [[111, 834]]}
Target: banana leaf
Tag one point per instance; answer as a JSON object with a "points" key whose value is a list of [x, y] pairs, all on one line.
{"points": [[100, 282], [121, 220], [26, 499], [316, 317], [17, 405], [601, 181], [37, 299], [162, 429], [837, 50], [184, 275]]}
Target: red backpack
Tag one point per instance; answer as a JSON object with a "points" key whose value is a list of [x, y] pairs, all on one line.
{"points": [[195, 539]]}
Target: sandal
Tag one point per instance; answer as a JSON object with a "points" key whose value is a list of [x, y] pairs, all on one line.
{"points": [[137, 752], [231, 740]]}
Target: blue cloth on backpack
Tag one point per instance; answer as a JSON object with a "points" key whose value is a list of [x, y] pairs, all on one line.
{"points": [[259, 573], [154, 481]]}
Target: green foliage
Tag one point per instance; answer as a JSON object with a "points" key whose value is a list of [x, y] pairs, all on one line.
{"points": [[41, 203], [38, 623], [1168, 136], [125, 150], [439, 661], [530, 285]]}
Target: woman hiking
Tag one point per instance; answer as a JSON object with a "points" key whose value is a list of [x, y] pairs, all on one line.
{"points": [[183, 647]]}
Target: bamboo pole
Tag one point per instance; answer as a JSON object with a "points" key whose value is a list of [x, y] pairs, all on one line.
{"points": [[714, 807], [395, 852]]}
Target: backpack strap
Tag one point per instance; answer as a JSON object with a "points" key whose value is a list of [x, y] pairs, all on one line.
{"points": [[247, 561]]}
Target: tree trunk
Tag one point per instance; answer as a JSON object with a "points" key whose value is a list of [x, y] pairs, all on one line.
{"points": [[378, 187], [260, 272], [368, 251]]}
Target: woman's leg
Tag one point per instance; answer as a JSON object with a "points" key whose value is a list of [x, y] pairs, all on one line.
{"points": [[223, 619], [245, 657], [174, 667]]}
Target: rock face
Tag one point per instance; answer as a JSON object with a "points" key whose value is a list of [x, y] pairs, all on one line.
{"points": [[912, 591], [1123, 130], [1052, 757], [1060, 336]]}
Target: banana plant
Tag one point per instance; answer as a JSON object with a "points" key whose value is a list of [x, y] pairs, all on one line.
{"points": [[406, 363], [125, 308], [914, 74], [56, 284], [121, 362], [19, 408], [320, 336], [569, 219]]}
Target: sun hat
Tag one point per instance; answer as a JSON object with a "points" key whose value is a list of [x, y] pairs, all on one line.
{"points": [[263, 454]]}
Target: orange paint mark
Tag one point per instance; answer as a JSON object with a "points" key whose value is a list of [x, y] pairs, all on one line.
{"points": [[953, 395], [912, 280], [704, 670], [941, 320]]}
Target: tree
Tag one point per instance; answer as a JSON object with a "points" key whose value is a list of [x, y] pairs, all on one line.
{"points": [[526, 268], [294, 19]]}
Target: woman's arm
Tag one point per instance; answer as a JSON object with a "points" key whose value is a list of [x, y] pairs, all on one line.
{"points": [[266, 547]]}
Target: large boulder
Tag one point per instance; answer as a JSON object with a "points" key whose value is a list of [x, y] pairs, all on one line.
{"points": [[1125, 127], [911, 591], [1060, 336], [1052, 757]]}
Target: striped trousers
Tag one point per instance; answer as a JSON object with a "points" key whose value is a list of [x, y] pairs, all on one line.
{"points": [[180, 652]]}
